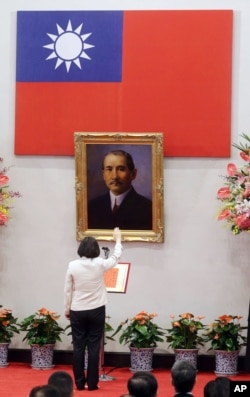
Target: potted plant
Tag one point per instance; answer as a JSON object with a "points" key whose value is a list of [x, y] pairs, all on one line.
{"points": [[42, 332], [8, 327], [142, 334], [225, 336], [184, 336]]}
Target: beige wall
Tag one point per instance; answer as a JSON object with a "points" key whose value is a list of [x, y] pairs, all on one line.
{"points": [[201, 267]]}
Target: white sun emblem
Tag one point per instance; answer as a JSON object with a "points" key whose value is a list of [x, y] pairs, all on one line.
{"points": [[68, 46]]}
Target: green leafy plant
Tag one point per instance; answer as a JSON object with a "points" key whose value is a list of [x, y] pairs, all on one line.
{"points": [[42, 328], [140, 331], [107, 329], [185, 332], [225, 333], [8, 325]]}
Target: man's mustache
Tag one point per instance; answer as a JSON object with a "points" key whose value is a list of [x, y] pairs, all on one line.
{"points": [[116, 182]]}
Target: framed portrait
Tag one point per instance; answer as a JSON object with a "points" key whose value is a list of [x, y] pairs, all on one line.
{"points": [[119, 182], [116, 279]]}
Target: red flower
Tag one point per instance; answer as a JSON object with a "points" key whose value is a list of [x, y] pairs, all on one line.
{"points": [[3, 179], [224, 214], [245, 156], [246, 193], [231, 169], [243, 221], [223, 193]]}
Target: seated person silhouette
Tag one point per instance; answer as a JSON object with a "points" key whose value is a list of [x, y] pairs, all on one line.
{"points": [[121, 206]]}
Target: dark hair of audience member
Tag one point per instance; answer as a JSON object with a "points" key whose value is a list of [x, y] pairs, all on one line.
{"points": [[219, 387], [63, 381], [183, 376], [142, 384], [44, 391]]}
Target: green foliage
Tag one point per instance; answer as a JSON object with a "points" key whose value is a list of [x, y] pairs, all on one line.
{"points": [[8, 325], [225, 333], [42, 328], [108, 328], [184, 333], [244, 148], [140, 331]]}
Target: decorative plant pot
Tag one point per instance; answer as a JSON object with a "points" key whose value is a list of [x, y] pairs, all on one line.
{"points": [[226, 363], [4, 354], [42, 356], [141, 359], [187, 354]]}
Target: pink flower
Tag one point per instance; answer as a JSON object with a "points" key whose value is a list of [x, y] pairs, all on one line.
{"points": [[231, 169], [3, 219], [224, 214], [246, 193], [245, 156], [3, 180], [223, 193], [243, 221]]}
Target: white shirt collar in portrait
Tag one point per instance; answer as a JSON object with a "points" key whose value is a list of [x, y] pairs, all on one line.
{"points": [[118, 199]]}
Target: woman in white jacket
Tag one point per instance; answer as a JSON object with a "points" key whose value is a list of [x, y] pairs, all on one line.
{"points": [[85, 298]]}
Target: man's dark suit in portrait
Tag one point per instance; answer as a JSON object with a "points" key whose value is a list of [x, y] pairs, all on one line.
{"points": [[122, 206]]}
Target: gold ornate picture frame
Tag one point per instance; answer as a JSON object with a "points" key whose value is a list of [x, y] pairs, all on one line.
{"points": [[146, 151]]}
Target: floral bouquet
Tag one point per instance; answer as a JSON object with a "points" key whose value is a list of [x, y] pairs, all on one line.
{"points": [[235, 195], [6, 196]]}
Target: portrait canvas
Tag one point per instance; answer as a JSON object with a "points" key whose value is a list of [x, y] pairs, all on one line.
{"points": [[119, 183]]}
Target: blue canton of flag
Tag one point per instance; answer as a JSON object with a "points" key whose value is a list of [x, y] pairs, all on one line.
{"points": [[69, 46]]}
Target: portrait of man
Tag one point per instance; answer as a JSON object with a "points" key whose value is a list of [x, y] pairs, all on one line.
{"points": [[119, 182], [120, 203]]}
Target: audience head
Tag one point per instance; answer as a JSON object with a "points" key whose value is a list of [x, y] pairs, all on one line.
{"points": [[142, 384], [44, 391], [183, 376], [63, 382], [219, 387]]}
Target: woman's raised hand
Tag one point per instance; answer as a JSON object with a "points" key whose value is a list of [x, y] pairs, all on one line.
{"points": [[117, 234]]}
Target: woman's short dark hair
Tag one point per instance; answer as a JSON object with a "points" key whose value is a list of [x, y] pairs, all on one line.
{"points": [[89, 248]]}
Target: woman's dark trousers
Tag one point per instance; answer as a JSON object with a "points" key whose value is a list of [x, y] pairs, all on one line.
{"points": [[87, 332]]}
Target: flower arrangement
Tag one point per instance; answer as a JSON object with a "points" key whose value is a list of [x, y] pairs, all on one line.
{"points": [[225, 333], [184, 333], [235, 195], [6, 196], [8, 325], [42, 328], [140, 331]]}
